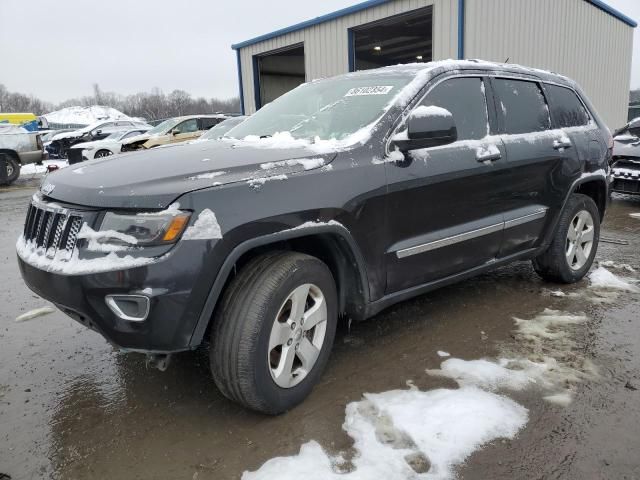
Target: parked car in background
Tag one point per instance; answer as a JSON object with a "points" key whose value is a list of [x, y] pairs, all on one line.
{"points": [[223, 127], [346, 195], [174, 130], [626, 159], [18, 147], [102, 148], [97, 131]]}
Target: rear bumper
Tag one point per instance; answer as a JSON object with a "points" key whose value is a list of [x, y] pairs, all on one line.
{"points": [[175, 304]]}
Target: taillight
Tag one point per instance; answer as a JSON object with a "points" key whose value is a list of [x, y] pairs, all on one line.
{"points": [[39, 142], [609, 140]]}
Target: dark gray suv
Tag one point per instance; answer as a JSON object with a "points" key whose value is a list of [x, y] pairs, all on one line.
{"points": [[344, 196]]}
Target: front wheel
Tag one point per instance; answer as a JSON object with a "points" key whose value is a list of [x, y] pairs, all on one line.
{"points": [[273, 331], [571, 253]]}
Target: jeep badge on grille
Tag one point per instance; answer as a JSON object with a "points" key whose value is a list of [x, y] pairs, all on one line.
{"points": [[47, 188]]}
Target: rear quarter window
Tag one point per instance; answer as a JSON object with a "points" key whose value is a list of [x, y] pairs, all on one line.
{"points": [[521, 106], [566, 108]]}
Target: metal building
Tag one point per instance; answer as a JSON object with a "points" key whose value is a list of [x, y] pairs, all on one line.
{"points": [[586, 40]]}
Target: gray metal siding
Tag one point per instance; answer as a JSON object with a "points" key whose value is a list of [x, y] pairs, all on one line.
{"points": [[326, 44], [570, 37]]}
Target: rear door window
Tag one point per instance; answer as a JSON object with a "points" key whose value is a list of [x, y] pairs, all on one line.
{"points": [[465, 99], [566, 107], [521, 106]]}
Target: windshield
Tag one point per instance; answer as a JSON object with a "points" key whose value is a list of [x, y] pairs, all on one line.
{"points": [[327, 109], [164, 127], [223, 127]]}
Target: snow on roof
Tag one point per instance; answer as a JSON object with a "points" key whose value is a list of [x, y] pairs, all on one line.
{"points": [[85, 115]]}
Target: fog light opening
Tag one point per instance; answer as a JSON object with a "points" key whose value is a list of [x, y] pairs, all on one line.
{"points": [[131, 308]]}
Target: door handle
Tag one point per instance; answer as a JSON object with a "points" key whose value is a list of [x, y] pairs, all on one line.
{"points": [[559, 144], [488, 157]]}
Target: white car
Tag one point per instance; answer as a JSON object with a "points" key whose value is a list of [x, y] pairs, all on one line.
{"points": [[106, 146]]}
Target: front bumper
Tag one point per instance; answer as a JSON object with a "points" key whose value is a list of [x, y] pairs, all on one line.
{"points": [[625, 180], [174, 303], [55, 264]]}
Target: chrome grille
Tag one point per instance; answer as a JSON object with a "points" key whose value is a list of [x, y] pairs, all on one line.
{"points": [[52, 229]]}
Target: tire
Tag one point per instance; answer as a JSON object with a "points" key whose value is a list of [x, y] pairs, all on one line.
{"points": [[13, 168], [255, 310], [561, 262], [103, 153]]}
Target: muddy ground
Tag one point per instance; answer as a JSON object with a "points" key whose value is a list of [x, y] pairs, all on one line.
{"points": [[71, 407]]}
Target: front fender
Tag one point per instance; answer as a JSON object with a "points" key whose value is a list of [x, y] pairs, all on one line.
{"points": [[304, 230]]}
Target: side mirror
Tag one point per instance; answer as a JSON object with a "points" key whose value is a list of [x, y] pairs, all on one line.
{"points": [[175, 131], [427, 127]]}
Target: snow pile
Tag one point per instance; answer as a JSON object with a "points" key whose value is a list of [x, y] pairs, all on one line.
{"points": [[62, 262], [442, 353], [604, 279], [36, 312], [430, 111], [205, 227], [307, 163], [208, 175], [98, 240], [32, 168], [403, 433], [85, 115], [635, 215], [258, 182]]}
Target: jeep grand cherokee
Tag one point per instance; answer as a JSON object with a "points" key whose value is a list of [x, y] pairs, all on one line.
{"points": [[343, 196]]}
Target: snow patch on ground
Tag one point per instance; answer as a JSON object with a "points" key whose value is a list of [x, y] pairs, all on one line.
{"points": [[32, 168], [442, 353], [635, 215], [402, 432], [36, 312], [206, 227], [603, 279]]}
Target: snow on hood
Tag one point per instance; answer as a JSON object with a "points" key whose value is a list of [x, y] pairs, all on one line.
{"points": [[85, 115], [154, 178]]}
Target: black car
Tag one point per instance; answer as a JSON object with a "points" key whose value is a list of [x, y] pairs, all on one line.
{"points": [[342, 197], [626, 159]]}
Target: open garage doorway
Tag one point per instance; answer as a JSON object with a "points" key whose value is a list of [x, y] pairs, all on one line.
{"points": [[404, 38], [277, 72]]}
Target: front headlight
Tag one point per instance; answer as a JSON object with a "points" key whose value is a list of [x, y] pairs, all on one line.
{"points": [[143, 229]]}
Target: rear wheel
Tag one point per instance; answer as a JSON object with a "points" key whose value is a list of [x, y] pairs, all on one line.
{"points": [[13, 168], [274, 330], [571, 253]]}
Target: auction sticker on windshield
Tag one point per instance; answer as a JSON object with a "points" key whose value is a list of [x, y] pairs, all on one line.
{"points": [[373, 90]]}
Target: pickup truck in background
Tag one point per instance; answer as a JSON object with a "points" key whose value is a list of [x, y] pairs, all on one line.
{"points": [[18, 147]]}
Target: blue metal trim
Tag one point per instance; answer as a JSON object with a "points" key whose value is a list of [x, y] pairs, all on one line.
{"points": [[240, 86], [314, 21], [256, 83], [612, 11], [460, 29], [352, 52]]}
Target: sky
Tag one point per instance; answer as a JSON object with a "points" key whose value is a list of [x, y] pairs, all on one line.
{"points": [[58, 50]]}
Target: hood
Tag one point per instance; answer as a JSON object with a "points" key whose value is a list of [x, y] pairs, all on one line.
{"points": [[85, 145], [626, 146], [153, 178], [137, 138]]}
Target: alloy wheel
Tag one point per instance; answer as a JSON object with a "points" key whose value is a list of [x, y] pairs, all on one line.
{"points": [[297, 335], [579, 240]]}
